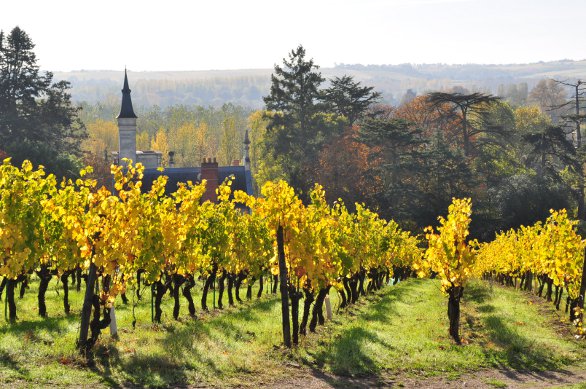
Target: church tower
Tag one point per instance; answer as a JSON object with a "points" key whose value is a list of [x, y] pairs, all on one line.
{"points": [[126, 125]]}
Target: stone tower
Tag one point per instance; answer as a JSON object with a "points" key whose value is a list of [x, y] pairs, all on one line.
{"points": [[126, 125]]}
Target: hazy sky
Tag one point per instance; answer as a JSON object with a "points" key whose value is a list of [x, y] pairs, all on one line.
{"points": [[242, 34]]}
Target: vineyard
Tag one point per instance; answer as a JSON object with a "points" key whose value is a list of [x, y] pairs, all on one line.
{"points": [[113, 247]]}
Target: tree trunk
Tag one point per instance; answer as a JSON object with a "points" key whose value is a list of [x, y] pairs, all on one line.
{"points": [[237, 283], [138, 277], [541, 281], [346, 283], [455, 294], [77, 274], [190, 283], [559, 292], [284, 292], [309, 297], [354, 288], [3, 285], [275, 283], [206, 286], [221, 289], [65, 282], [397, 275], [45, 276], [317, 314], [294, 295], [260, 286], [344, 302], [23, 286], [362, 276], [97, 325], [549, 289], [529, 281], [178, 280], [10, 286], [582, 296], [230, 288], [86, 311], [160, 289]]}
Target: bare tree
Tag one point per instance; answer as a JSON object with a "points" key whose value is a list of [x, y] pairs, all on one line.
{"points": [[550, 97], [573, 116]]}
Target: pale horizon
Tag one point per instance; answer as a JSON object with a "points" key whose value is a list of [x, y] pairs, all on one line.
{"points": [[257, 34]]}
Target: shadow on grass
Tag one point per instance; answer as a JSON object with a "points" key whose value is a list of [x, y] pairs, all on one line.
{"points": [[138, 370], [347, 353], [478, 292], [249, 310], [181, 356], [347, 356], [384, 310], [8, 361], [519, 352], [56, 324]]}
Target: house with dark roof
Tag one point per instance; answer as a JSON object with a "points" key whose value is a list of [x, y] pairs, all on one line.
{"points": [[209, 169]]}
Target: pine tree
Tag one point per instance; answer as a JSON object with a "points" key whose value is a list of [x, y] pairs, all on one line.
{"points": [[348, 98], [295, 129], [37, 119]]}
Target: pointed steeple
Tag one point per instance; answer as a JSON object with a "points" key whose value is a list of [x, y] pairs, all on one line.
{"points": [[126, 110], [246, 151]]}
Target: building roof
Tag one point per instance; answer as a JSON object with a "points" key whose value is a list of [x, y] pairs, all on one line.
{"points": [[126, 110], [242, 178]]}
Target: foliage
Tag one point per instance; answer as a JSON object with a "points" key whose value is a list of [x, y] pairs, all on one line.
{"points": [[449, 254], [37, 120]]}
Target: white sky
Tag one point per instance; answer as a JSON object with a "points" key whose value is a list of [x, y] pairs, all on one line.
{"points": [[243, 34]]}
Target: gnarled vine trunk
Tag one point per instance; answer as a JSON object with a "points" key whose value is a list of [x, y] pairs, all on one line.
{"points": [[44, 276], [206, 287], [455, 294], [309, 297], [189, 284]]}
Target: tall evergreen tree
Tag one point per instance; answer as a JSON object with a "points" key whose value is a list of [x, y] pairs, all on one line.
{"points": [[37, 119], [349, 99], [297, 126]]}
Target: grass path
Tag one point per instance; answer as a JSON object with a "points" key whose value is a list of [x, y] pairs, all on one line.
{"points": [[395, 337]]}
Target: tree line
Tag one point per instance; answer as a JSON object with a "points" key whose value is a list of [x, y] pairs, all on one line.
{"points": [[517, 155], [408, 162]]}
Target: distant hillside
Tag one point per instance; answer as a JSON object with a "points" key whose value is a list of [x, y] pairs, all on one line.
{"points": [[247, 87]]}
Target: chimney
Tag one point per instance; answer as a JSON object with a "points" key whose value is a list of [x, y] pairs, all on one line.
{"points": [[209, 172], [171, 159], [236, 162]]}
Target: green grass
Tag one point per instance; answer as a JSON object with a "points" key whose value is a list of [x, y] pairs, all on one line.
{"points": [[399, 330], [406, 330]]}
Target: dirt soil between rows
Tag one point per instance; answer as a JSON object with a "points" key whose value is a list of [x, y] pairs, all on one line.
{"points": [[485, 378]]}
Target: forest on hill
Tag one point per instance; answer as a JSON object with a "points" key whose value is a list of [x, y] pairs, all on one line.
{"points": [[247, 87], [511, 149], [516, 151]]}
